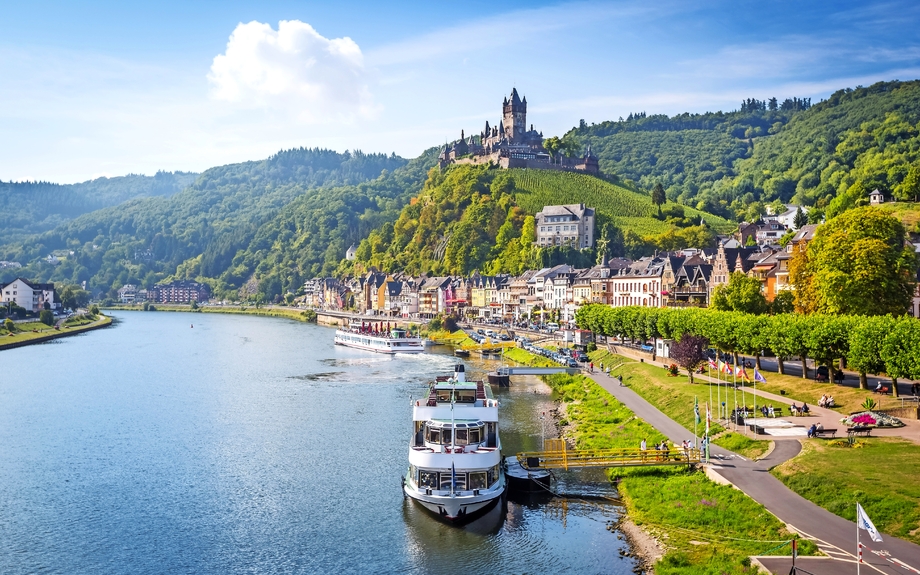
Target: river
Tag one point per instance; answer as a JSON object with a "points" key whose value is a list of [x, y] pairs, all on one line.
{"points": [[208, 443]]}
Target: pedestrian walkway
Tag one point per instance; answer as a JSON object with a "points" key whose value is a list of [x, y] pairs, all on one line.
{"points": [[834, 535]]}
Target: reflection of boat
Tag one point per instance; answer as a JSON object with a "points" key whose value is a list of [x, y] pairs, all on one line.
{"points": [[378, 337], [455, 468], [461, 353]]}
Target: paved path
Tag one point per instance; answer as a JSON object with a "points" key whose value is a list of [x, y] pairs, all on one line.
{"points": [[834, 535]]}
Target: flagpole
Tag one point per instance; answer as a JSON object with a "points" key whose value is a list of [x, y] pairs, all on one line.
{"points": [[858, 548], [696, 416]]}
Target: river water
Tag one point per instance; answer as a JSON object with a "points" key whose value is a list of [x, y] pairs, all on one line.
{"points": [[208, 443]]}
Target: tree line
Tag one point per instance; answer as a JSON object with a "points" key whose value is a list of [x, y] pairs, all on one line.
{"points": [[868, 345]]}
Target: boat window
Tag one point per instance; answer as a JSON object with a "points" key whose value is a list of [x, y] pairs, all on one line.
{"points": [[478, 480], [466, 396], [475, 435], [445, 481], [491, 475], [445, 436], [434, 435], [460, 482], [461, 437], [444, 395], [428, 479]]}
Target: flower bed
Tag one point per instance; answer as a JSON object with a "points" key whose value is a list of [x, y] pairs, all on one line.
{"points": [[871, 419]]}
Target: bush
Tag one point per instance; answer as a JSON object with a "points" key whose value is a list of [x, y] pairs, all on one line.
{"points": [[94, 310], [435, 324], [9, 325], [46, 317]]}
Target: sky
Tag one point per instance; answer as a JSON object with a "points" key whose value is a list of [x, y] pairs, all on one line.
{"points": [[91, 89]]}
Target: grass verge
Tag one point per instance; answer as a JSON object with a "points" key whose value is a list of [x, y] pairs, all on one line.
{"points": [[30, 331], [848, 399], [675, 397], [880, 473]]}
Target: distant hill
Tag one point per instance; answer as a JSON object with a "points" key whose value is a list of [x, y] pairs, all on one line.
{"points": [[198, 231], [733, 163], [34, 207]]}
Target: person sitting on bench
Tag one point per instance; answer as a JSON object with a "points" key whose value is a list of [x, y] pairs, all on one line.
{"points": [[804, 409], [878, 387], [812, 430], [770, 411]]}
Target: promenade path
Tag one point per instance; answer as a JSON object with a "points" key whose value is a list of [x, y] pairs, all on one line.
{"points": [[834, 535]]}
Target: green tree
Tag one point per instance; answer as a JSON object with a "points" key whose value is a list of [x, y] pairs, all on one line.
{"points": [[658, 196], [8, 325], [552, 145], [783, 302], [900, 350], [800, 219], [858, 263], [865, 351], [741, 293], [46, 317]]}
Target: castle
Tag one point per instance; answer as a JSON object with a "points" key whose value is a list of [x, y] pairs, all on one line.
{"points": [[509, 144]]}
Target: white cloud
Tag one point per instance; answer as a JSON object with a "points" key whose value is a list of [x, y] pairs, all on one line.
{"points": [[293, 69]]}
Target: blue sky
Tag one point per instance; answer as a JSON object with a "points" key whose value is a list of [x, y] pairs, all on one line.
{"points": [[109, 88]]}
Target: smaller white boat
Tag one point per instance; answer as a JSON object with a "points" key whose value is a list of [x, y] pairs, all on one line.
{"points": [[378, 337]]}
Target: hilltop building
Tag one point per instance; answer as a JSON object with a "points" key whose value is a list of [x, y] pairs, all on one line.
{"points": [[509, 144]]}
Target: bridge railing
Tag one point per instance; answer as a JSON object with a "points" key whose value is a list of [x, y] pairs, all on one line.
{"points": [[576, 458]]}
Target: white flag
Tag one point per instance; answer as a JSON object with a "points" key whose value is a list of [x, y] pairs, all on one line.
{"points": [[865, 523]]}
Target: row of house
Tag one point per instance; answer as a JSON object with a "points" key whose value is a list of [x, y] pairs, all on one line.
{"points": [[684, 278], [180, 291]]}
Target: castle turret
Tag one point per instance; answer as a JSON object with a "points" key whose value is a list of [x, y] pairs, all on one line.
{"points": [[514, 116]]}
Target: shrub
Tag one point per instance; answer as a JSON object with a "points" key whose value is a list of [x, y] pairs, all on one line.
{"points": [[94, 310], [9, 325], [869, 404], [46, 317]]}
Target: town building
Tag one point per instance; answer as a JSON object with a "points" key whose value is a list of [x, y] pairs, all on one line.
{"points": [[31, 296], [567, 225], [179, 291]]}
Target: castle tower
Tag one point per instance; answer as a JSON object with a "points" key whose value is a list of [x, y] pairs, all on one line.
{"points": [[514, 117]]}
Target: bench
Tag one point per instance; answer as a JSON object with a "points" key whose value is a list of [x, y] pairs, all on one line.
{"points": [[823, 432], [758, 430], [860, 430]]}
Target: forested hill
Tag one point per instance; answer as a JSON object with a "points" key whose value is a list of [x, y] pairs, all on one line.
{"points": [[475, 218], [145, 240], [33, 207], [732, 163]]}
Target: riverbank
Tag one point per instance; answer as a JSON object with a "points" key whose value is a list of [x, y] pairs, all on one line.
{"points": [[32, 334], [304, 315], [697, 525]]}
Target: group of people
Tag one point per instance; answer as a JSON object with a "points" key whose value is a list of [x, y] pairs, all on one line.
{"points": [[826, 401], [803, 410]]}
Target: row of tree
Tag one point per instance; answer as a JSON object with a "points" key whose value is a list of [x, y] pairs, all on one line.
{"points": [[878, 345]]}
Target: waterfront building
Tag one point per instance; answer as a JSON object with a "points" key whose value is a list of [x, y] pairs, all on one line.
{"points": [[31, 296], [179, 291]]}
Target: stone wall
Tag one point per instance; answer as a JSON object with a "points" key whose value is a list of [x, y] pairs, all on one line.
{"points": [[901, 412]]}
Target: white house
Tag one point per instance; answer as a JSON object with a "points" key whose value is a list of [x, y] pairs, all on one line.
{"points": [[28, 295], [876, 197]]}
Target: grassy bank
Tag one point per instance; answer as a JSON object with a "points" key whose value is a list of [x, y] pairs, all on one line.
{"points": [[290, 313], [848, 399], [880, 473], [37, 331], [675, 396], [706, 528]]}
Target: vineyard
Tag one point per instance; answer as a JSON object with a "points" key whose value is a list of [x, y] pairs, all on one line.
{"points": [[624, 208]]}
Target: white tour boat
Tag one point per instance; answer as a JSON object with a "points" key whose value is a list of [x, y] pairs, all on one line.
{"points": [[455, 461], [378, 337]]}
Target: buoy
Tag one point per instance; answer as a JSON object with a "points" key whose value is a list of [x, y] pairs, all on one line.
{"points": [[193, 325]]}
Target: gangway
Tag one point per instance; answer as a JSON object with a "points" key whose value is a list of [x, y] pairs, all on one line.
{"points": [[556, 456]]}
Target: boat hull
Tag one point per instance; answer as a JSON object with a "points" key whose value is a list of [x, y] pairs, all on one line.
{"points": [[457, 509]]}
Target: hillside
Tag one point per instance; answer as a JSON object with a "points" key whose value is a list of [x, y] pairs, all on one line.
{"points": [[145, 240], [470, 218], [829, 155], [34, 207]]}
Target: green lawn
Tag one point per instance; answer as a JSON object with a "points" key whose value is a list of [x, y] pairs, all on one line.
{"points": [[675, 397], [36, 330], [880, 473]]}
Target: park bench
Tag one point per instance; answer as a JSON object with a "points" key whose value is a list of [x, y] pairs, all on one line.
{"points": [[863, 430], [758, 430], [823, 432]]}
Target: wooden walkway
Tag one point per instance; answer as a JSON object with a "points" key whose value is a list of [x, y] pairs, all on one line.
{"points": [[558, 457]]}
